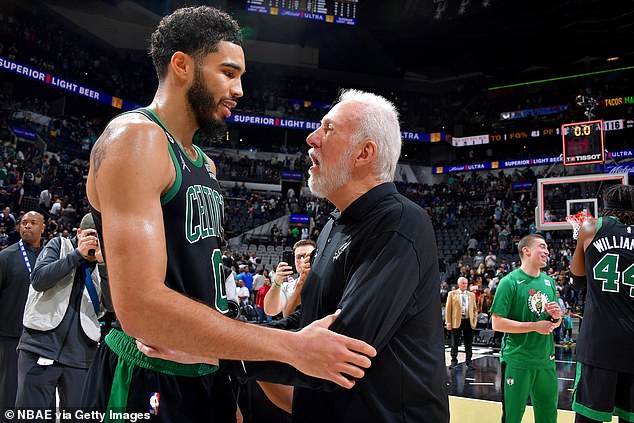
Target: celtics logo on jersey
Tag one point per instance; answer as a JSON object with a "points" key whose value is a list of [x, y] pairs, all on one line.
{"points": [[537, 302], [204, 213]]}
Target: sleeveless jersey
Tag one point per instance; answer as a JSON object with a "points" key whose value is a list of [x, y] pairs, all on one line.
{"points": [[523, 298], [606, 338], [193, 211]]}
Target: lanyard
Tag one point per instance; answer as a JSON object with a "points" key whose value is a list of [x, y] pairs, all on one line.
{"points": [[90, 287], [25, 257]]}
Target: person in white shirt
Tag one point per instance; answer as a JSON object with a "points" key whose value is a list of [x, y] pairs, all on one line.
{"points": [[285, 293]]}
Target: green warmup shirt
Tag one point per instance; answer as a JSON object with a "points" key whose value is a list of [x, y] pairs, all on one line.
{"points": [[523, 298]]}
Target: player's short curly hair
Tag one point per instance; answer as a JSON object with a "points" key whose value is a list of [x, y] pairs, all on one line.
{"points": [[618, 201], [195, 31]]}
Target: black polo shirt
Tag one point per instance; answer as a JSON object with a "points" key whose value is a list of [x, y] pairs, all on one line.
{"points": [[377, 262]]}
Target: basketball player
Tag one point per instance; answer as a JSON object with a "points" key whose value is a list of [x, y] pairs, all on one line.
{"points": [[159, 210], [525, 309], [605, 349]]}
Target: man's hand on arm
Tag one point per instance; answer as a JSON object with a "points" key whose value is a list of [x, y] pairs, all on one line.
{"points": [[326, 354]]}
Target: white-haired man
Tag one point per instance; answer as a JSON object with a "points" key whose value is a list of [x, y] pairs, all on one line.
{"points": [[375, 236]]}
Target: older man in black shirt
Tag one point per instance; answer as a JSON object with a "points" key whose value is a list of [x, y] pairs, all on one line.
{"points": [[375, 236]]}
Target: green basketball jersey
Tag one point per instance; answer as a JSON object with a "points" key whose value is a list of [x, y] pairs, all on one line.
{"points": [[523, 298]]}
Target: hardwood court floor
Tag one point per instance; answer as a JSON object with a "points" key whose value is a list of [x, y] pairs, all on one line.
{"points": [[475, 394]]}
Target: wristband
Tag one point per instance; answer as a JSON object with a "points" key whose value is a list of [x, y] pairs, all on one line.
{"points": [[276, 284]]}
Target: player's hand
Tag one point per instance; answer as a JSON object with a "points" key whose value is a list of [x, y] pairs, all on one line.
{"points": [[545, 327], [448, 326], [554, 310], [331, 356], [173, 355]]}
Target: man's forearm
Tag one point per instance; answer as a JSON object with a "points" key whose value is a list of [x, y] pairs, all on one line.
{"points": [[202, 331], [293, 301], [274, 301], [502, 324]]}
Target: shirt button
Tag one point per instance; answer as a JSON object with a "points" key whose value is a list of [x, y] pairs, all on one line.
{"points": [[329, 239]]}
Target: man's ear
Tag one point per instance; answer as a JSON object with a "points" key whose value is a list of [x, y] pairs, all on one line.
{"points": [[366, 153], [181, 65]]}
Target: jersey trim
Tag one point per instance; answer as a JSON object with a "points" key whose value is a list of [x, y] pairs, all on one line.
{"points": [[149, 113], [124, 346], [171, 193], [198, 161], [599, 224]]}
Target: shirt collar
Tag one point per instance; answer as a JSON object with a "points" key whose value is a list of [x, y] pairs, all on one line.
{"points": [[361, 207]]}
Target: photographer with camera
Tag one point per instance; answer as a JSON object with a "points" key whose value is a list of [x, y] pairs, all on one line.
{"points": [[61, 327], [285, 293]]}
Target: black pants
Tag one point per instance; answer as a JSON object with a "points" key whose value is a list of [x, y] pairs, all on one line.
{"points": [[201, 399], [37, 383], [8, 372], [467, 336]]}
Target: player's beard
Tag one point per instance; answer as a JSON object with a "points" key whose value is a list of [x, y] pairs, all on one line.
{"points": [[201, 100], [328, 179]]}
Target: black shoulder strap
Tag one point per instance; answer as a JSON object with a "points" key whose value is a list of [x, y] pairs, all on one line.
{"points": [[148, 113]]}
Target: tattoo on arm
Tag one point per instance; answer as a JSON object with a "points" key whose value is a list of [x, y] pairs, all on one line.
{"points": [[99, 150]]}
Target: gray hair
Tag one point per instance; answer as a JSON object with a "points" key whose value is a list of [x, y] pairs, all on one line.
{"points": [[377, 121]]}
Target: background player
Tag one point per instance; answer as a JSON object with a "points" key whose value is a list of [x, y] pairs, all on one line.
{"points": [[524, 303], [605, 348]]}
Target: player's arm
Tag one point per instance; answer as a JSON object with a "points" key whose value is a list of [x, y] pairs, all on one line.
{"points": [[130, 169], [578, 263], [503, 324]]}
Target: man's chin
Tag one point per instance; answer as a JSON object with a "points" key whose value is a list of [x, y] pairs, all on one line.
{"points": [[316, 189], [213, 129]]}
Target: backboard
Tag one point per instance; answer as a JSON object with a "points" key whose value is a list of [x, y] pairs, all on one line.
{"points": [[562, 196]]}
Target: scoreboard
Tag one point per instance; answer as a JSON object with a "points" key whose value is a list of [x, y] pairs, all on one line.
{"points": [[583, 143], [330, 11]]}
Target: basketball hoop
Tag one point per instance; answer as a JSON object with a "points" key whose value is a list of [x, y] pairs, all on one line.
{"points": [[576, 220]]}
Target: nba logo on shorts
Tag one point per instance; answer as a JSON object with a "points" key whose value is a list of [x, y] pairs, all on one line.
{"points": [[154, 403]]}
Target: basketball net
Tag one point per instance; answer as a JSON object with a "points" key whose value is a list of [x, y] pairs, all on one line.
{"points": [[576, 220]]}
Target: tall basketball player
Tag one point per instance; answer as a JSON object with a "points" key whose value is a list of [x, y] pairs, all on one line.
{"points": [[159, 210], [604, 262]]}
